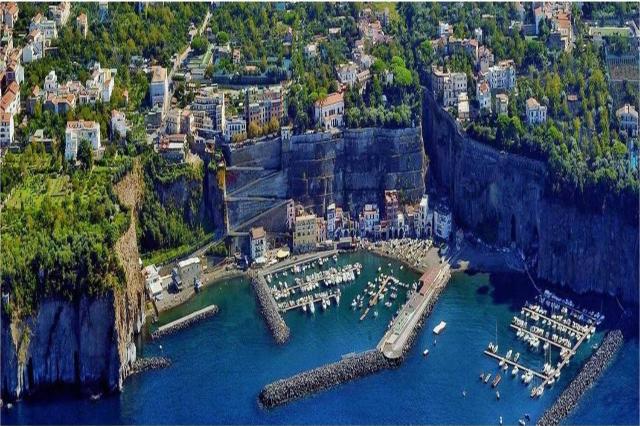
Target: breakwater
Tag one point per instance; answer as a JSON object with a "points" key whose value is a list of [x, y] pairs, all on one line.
{"points": [[425, 313], [321, 378], [150, 363], [589, 374], [269, 310], [185, 321]]}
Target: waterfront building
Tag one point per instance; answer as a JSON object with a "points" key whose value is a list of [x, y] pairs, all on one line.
{"points": [[502, 76], [536, 113], [628, 120], [235, 126], [329, 112], [483, 94], [118, 124], [258, 244], [76, 132], [82, 24], [187, 273], [173, 148], [152, 281], [391, 205], [321, 230], [159, 87], [442, 221], [369, 218], [6, 129], [305, 233], [331, 220], [291, 214], [502, 103], [209, 100], [422, 217]]}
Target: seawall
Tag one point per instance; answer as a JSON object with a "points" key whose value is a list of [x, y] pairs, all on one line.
{"points": [[321, 378], [504, 198], [269, 310], [588, 375], [185, 321]]}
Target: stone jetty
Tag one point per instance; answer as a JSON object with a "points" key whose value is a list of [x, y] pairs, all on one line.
{"points": [[425, 313], [149, 363], [589, 374], [269, 309], [185, 321], [321, 378]]}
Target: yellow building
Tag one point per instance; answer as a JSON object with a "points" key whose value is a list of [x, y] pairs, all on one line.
{"points": [[305, 233]]}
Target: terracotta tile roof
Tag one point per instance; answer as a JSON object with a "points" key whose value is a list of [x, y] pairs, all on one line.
{"points": [[331, 99]]}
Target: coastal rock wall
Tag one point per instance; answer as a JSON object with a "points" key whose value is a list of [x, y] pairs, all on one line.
{"points": [[355, 167], [87, 343], [504, 199]]}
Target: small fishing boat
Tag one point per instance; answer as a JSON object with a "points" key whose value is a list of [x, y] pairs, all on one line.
{"points": [[426, 352], [438, 328], [498, 395], [496, 381], [487, 377]]}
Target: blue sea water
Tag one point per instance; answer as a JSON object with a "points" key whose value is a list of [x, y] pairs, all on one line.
{"points": [[220, 366]]}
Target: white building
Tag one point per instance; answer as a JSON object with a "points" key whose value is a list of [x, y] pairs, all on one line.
{"points": [[188, 273], [422, 217], [628, 119], [463, 106], [47, 27], [477, 33], [159, 87], [235, 126], [60, 13], [153, 281], [211, 101], [258, 244], [536, 113], [347, 73], [502, 76], [329, 112], [311, 50], [331, 220], [78, 131], [448, 85], [444, 29], [118, 124], [291, 214], [102, 80], [370, 217], [9, 14], [10, 101], [6, 129], [483, 94], [442, 222]]}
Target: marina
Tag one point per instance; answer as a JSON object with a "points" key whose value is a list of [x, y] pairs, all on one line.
{"points": [[561, 330]]}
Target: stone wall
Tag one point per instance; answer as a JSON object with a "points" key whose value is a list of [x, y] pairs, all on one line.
{"points": [[503, 198]]}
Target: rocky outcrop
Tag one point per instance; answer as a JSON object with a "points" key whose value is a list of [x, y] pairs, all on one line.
{"points": [[87, 343], [504, 198], [150, 363]]}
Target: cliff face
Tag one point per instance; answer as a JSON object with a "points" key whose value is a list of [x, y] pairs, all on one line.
{"points": [[89, 343], [356, 167], [502, 198]]}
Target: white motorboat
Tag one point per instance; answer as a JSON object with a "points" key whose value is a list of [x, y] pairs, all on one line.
{"points": [[438, 328], [515, 371], [426, 352]]}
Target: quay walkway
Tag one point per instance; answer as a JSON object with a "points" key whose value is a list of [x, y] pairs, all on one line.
{"points": [[399, 335]]}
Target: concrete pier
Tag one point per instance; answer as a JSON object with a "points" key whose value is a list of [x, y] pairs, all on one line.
{"points": [[590, 373], [185, 321], [321, 378], [269, 309], [399, 338]]}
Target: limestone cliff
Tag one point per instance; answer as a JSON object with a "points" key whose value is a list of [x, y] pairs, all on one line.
{"points": [[86, 344], [504, 198]]}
